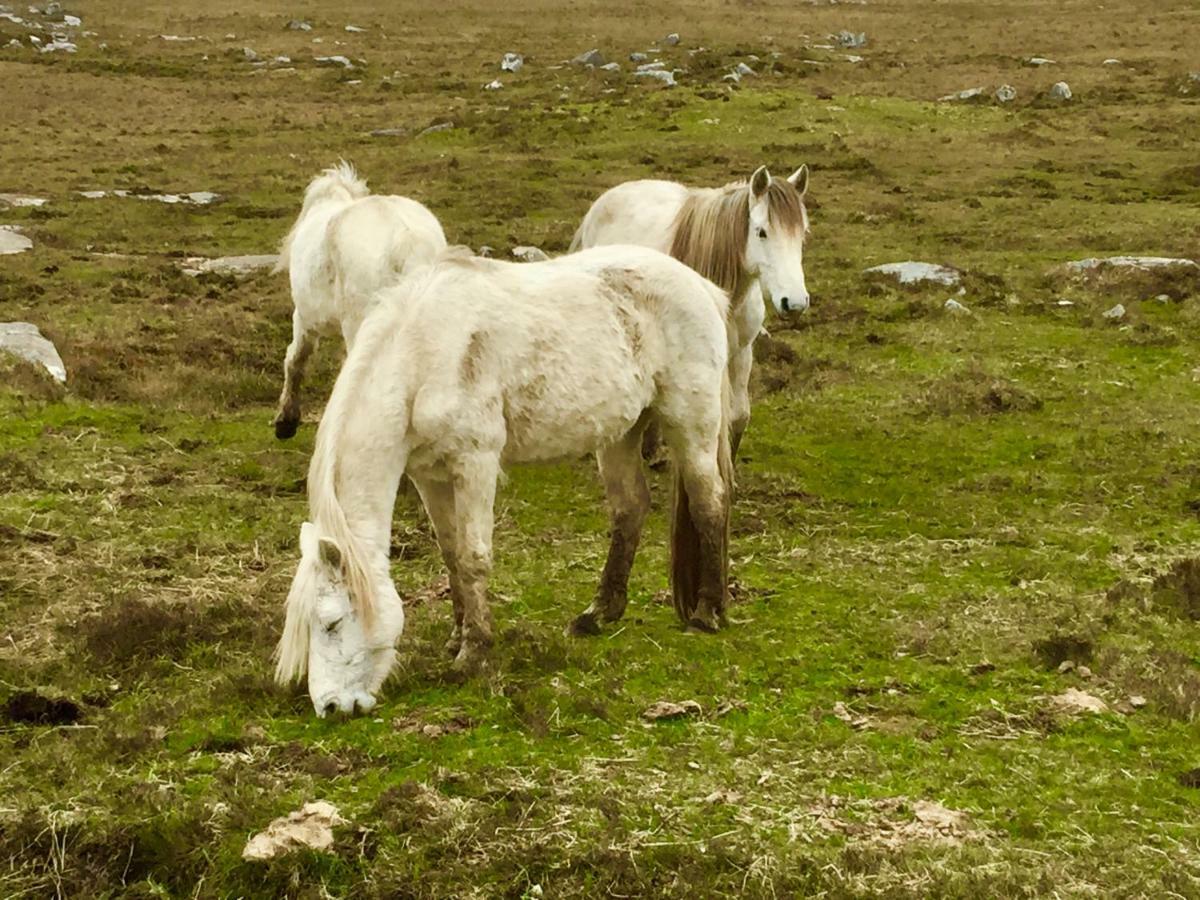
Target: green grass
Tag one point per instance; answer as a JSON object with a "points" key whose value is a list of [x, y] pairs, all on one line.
{"points": [[934, 512]]}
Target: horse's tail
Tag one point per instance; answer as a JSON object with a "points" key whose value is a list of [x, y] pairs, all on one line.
{"points": [[329, 523], [687, 543], [337, 181]]}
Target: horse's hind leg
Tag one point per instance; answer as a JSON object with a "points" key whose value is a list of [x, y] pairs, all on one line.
{"points": [[628, 501], [287, 419], [438, 497], [740, 367], [474, 501]]}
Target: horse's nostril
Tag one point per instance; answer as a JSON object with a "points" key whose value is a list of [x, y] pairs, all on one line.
{"points": [[330, 708]]}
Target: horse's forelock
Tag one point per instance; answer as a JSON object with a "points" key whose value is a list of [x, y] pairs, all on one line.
{"points": [[785, 206]]}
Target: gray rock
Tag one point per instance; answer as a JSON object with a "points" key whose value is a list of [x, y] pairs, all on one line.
{"points": [[14, 43], [389, 132], [637, 57], [12, 241], [968, 94], [743, 70], [1111, 61], [299, 25], [1130, 262], [72, 21], [953, 306], [494, 85], [911, 272], [50, 10], [651, 66], [25, 341], [57, 44], [487, 252], [671, 39], [21, 200], [250, 55], [849, 39], [1116, 312], [732, 76], [611, 67], [512, 62], [1061, 91], [667, 78], [1040, 61], [434, 129], [355, 29], [1006, 93], [850, 57], [240, 266], [591, 58], [529, 254], [334, 61]]}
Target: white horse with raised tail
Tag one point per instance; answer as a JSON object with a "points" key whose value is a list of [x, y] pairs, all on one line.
{"points": [[747, 237], [477, 364], [345, 246]]}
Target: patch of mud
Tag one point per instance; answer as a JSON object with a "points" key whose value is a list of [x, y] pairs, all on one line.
{"points": [[416, 724], [35, 708], [974, 391], [895, 822]]}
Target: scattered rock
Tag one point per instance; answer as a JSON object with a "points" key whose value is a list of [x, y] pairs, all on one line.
{"points": [[413, 725], [1112, 62], [590, 58], [849, 39], [665, 709], [34, 708], [1133, 262], [22, 200], [334, 61], [389, 132], [671, 39], [299, 25], [637, 57], [911, 272], [512, 62], [611, 67], [1073, 701], [176, 38], [198, 198], [1083, 672], [434, 129], [59, 43], [968, 94], [953, 306], [667, 78], [742, 69], [1067, 665], [1060, 91], [311, 826], [1116, 312], [355, 29], [1137, 701], [487, 253], [12, 241], [494, 85], [229, 265], [1040, 61], [529, 254], [1006, 93], [25, 340], [651, 66], [854, 720], [850, 57]]}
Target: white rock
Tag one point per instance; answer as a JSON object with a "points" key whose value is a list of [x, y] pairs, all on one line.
{"points": [[529, 254], [911, 272], [611, 67], [637, 57], [176, 38], [14, 43], [12, 241], [849, 39], [59, 43], [1040, 61], [1130, 262], [953, 306], [355, 29], [1116, 312], [334, 61], [732, 76], [311, 826], [968, 94], [744, 70], [672, 39], [298, 25], [494, 85], [850, 57], [667, 78], [487, 252], [1075, 701], [1061, 91], [229, 265], [434, 129], [21, 200], [651, 66], [512, 62], [24, 340], [250, 55], [1112, 62], [72, 21], [592, 57], [1006, 93]]}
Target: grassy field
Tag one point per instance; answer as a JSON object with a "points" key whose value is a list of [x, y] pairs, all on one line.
{"points": [[943, 521]]}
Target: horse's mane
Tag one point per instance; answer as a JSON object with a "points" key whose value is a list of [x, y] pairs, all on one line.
{"points": [[329, 521], [342, 180], [711, 228]]}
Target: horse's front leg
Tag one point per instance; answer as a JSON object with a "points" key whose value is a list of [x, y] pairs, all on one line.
{"points": [[740, 365], [304, 341], [628, 501], [438, 498], [474, 501]]}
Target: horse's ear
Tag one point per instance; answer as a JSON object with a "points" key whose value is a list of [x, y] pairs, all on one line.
{"points": [[799, 180], [330, 554], [760, 181]]}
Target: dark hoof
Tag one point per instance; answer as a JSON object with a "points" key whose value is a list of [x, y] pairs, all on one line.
{"points": [[453, 645], [584, 625], [701, 626], [469, 661], [286, 428]]}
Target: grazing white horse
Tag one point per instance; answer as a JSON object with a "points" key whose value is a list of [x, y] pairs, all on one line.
{"points": [[476, 364], [346, 244], [747, 237]]}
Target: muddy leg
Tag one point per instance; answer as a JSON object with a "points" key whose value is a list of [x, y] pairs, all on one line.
{"points": [[629, 501], [287, 419], [474, 500], [707, 504], [438, 497]]}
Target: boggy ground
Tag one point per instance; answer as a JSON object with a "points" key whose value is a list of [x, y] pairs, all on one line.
{"points": [[942, 521]]}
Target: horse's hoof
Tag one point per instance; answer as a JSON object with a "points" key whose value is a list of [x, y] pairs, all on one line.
{"points": [[468, 662], [696, 624], [584, 625], [286, 428], [453, 645]]}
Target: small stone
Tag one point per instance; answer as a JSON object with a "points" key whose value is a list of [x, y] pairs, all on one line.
{"points": [[1112, 62], [72, 21], [299, 25], [389, 132], [1163, 298], [1083, 671], [850, 57], [953, 306], [512, 62], [1130, 262], [529, 254], [1040, 61], [590, 58], [12, 241], [1076, 701], [249, 54], [611, 67], [1006, 93], [637, 57], [21, 200], [849, 39], [732, 76], [1067, 665], [229, 265], [666, 709], [1137, 701], [1116, 312], [651, 66], [334, 61], [355, 29], [672, 39], [744, 70], [487, 252], [311, 826], [24, 340], [434, 129], [667, 78], [494, 85], [968, 94], [1061, 91]]}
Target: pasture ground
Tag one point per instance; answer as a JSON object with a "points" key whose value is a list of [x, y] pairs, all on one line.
{"points": [[935, 512]]}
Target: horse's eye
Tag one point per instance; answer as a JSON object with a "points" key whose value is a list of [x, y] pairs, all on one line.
{"points": [[333, 626], [762, 234]]}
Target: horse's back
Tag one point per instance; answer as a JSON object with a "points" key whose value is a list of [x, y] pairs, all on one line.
{"points": [[636, 212]]}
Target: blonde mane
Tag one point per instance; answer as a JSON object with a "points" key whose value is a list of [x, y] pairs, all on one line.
{"points": [[711, 229]]}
